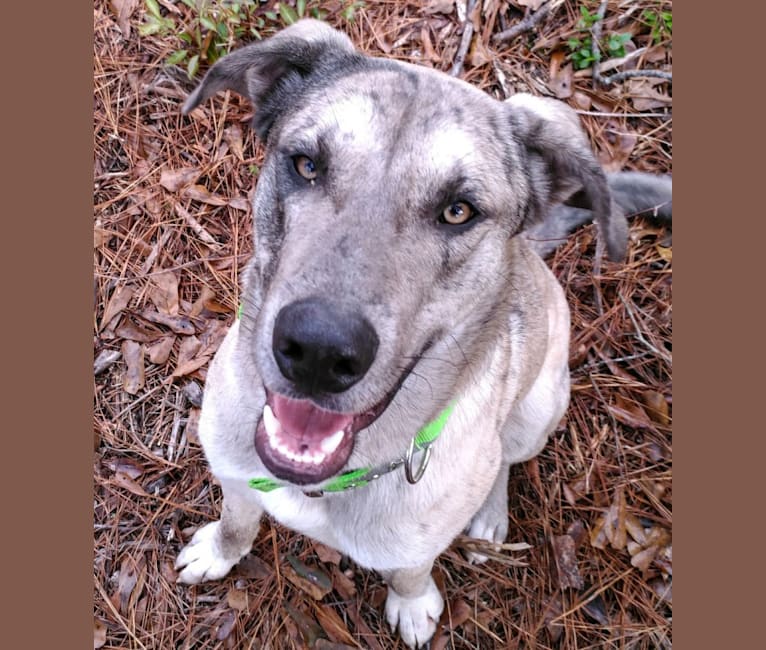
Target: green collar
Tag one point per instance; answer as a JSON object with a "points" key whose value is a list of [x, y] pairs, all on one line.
{"points": [[362, 476]]}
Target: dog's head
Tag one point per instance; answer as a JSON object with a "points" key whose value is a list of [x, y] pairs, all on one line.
{"points": [[384, 216]]}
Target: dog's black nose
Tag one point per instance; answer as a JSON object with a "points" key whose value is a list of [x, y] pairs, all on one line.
{"points": [[321, 347]]}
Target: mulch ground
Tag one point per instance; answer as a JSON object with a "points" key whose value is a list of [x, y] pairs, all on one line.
{"points": [[588, 562]]}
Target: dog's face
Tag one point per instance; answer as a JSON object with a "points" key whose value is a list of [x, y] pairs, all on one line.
{"points": [[383, 217]]}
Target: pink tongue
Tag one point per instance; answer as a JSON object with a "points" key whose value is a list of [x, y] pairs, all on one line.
{"points": [[303, 419]]}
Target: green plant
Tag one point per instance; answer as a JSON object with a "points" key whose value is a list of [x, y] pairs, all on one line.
{"points": [[581, 49], [212, 27], [661, 23]]}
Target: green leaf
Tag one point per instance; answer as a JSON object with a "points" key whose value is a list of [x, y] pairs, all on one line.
{"points": [[207, 23], [193, 66], [574, 43], [271, 15], [300, 7], [223, 31], [176, 57], [147, 29], [186, 37], [288, 13], [153, 8]]}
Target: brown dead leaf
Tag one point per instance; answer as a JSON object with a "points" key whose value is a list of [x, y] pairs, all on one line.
{"points": [[225, 625], [232, 135], [632, 418], [192, 425], [202, 194], [123, 480], [99, 634], [326, 554], [343, 584], [174, 179], [159, 352], [643, 559], [656, 406], [105, 360], [308, 627], [560, 76], [478, 54], [123, 9], [598, 537], [131, 571], [133, 353], [188, 361], [117, 303], [614, 525], [163, 292], [132, 330], [205, 294], [311, 580], [635, 529], [644, 95], [582, 100], [553, 608], [439, 7], [665, 252], [332, 624], [429, 54], [179, 324], [239, 203], [253, 567], [566, 562], [534, 5], [129, 466], [621, 145], [237, 599]]}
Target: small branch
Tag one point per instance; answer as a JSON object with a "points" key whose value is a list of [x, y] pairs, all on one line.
{"points": [[528, 22], [196, 226], [595, 31], [465, 42], [628, 74]]}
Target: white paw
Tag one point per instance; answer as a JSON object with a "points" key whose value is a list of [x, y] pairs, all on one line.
{"points": [[415, 617], [202, 557], [490, 527]]}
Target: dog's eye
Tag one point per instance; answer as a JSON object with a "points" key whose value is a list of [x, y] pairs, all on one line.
{"points": [[457, 213], [305, 167]]}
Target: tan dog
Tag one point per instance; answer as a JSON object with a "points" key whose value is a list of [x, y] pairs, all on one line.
{"points": [[400, 343]]}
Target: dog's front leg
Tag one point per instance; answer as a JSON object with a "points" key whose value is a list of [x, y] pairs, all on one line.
{"points": [[219, 545], [414, 603]]}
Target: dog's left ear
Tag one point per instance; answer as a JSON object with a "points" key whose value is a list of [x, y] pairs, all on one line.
{"points": [[272, 72], [563, 169]]}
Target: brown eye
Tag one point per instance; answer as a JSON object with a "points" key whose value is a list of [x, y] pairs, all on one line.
{"points": [[458, 212], [305, 167]]}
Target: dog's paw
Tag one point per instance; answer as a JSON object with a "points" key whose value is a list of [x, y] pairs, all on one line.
{"points": [[201, 559], [416, 618], [488, 526]]}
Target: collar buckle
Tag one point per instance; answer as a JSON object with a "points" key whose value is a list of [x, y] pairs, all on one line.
{"points": [[413, 478]]}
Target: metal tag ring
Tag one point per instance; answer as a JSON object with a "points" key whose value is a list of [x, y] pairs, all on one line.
{"points": [[423, 463]]}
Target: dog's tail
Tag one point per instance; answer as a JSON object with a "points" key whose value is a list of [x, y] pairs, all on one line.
{"points": [[635, 193]]}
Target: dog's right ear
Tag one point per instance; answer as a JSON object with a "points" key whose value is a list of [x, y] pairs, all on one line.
{"points": [[269, 72], [563, 169]]}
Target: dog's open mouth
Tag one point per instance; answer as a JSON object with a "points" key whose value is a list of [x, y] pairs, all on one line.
{"points": [[302, 443], [305, 444]]}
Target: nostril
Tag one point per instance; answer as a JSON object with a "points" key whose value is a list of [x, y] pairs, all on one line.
{"points": [[291, 350], [345, 368]]}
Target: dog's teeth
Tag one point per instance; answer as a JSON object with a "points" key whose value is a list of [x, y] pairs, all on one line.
{"points": [[329, 445], [270, 422]]}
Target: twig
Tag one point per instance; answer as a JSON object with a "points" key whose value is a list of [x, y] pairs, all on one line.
{"points": [[603, 114], [465, 42], [595, 31], [627, 74], [528, 22], [196, 226]]}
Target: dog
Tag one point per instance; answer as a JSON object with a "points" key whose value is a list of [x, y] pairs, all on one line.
{"points": [[401, 342]]}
